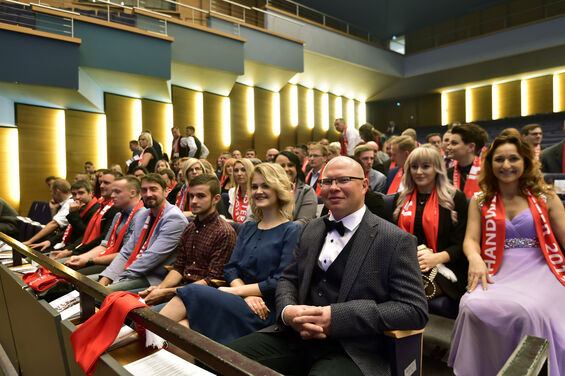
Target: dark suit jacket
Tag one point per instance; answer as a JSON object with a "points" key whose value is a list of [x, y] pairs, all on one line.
{"points": [[381, 288], [390, 177], [551, 158]]}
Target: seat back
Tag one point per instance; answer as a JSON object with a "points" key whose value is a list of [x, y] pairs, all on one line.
{"points": [[6, 334]]}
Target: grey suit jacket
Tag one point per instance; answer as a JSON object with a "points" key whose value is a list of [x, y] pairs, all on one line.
{"points": [[551, 158], [381, 288], [305, 203]]}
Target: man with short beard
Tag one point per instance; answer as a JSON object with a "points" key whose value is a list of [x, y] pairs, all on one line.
{"points": [[141, 261], [214, 239]]}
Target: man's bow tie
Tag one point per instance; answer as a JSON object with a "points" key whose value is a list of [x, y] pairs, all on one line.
{"points": [[332, 225]]}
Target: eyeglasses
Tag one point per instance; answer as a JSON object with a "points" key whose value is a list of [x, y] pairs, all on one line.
{"points": [[314, 156], [340, 181], [195, 169]]}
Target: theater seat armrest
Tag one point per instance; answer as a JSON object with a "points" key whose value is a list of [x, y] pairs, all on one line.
{"points": [[218, 282], [402, 333]]}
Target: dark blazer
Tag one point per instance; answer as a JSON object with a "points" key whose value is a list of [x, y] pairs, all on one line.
{"points": [[79, 226], [305, 203], [551, 158], [381, 289], [390, 177], [450, 239]]}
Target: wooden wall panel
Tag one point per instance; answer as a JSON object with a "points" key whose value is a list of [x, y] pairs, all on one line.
{"points": [[540, 95], [154, 118], [304, 134], [332, 134], [38, 143], [509, 103], [185, 107], [264, 138], [456, 106], [83, 141], [429, 110], [288, 132], [319, 132], [409, 112], [240, 137], [560, 101], [123, 119], [213, 124], [10, 168], [481, 103]]}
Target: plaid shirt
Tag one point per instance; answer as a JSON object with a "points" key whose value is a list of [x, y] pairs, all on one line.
{"points": [[204, 248]]}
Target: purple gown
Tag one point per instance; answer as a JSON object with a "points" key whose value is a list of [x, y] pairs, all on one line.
{"points": [[526, 299]]}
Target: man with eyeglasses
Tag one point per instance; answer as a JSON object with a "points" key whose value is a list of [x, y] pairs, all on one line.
{"points": [[532, 135], [318, 156], [352, 276]]}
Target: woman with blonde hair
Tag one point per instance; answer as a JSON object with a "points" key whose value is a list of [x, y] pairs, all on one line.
{"points": [[191, 168], [515, 233], [161, 165], [238, 196], [435, 212], [148, 157], [227, 180], [262, 251]]}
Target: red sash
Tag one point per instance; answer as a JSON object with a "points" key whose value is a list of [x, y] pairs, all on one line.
{"points": [[240, 207], [170, 188], [430, 217], [223, 180], [93, 229], [317, 187], [141, 245], [344, 142], [115, 242], [181, 197], [176, 149], [304, 164], [493, 226], [392, 164], [472, 182], [69, 229], [393, 188]]}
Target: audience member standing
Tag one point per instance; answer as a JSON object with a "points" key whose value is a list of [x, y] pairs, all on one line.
{"points": [[177, 151], [349, 137]]}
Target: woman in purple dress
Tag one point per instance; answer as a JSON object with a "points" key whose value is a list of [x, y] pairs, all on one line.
{"points": [[514, 230]]}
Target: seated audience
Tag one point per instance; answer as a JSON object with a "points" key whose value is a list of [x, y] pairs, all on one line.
{"points": [[236, 154], [239, 208], [191, 168], [366, 156], [227, 179], [117, 168], [514, 234], [81, 176], [8, 220], [465, 143], [317, 158], [141, 261], [305, 200], [220, 162], [161, 165], [351, 277], [382, 160], [89, 168], [434, 139], [444, 144], [139, 172], [81, 210], [532, 134], [271, 154], [126, 197], [301, 152], [53, 206], [173, 186], [205, 245], [61, 195], [334, 150], [552, 158], [435, 212], [262, 250], [250, 153], [400, 149]]}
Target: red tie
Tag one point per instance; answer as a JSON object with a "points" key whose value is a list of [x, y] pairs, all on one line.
{"points": [[94, 337]]}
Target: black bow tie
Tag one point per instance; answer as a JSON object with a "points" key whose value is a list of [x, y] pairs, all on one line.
{"points": [[332, 225]]}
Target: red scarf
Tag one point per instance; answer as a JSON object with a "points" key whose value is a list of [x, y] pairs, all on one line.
{"points": [[69, 229], [141, 245], [181, 197], [344, 142], [93, 229], [393, 188], [176, 149], [170, 188], [317, 187], [240, 207], [472, 182], [430, 217], [304, 164], [493, 226], [93, 337], [223, 180], [392, 164], [115, 242]]}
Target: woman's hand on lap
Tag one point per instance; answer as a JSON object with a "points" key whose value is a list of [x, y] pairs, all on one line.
{"points": [[258, 306], [477, 272]]}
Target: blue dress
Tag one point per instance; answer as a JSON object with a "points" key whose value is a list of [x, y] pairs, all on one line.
{"points": [[259, 257]]}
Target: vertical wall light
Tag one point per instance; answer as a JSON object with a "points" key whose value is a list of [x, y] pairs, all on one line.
{"points": [[137, 119], [60, 144], [200, 116], [310, 108], [325, 111], [495, 102], [444, 118], [556, 93], [293, 105], [9, 146], [350, 112], [226, 122], [338, 108], [468, 106], [250, 99], [524, 97], [276, 114], [169, 123], [101, 142], [362, 114]]}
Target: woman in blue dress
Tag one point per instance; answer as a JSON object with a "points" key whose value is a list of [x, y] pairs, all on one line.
{"points": [[262, 251]]}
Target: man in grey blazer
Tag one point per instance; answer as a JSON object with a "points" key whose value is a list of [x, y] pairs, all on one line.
{"points": [[353, 276], [552, 158]]}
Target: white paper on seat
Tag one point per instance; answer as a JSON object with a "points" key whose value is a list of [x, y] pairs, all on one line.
{"points": [[164, 363]]}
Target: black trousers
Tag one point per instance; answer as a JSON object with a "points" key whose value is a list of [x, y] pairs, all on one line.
{"points": [[283, 353]]}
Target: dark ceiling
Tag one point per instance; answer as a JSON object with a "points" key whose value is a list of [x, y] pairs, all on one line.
{"points": [[385, 18]]}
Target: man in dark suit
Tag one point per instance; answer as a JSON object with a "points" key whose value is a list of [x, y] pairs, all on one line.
{"points": [[352, 276], [552, 158]]}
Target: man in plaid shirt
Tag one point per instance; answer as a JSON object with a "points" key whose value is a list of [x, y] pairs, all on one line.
{"points": [[205, 245]]}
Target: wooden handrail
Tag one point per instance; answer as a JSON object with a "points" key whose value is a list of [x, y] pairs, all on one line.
{"points": [[213, 354]]}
